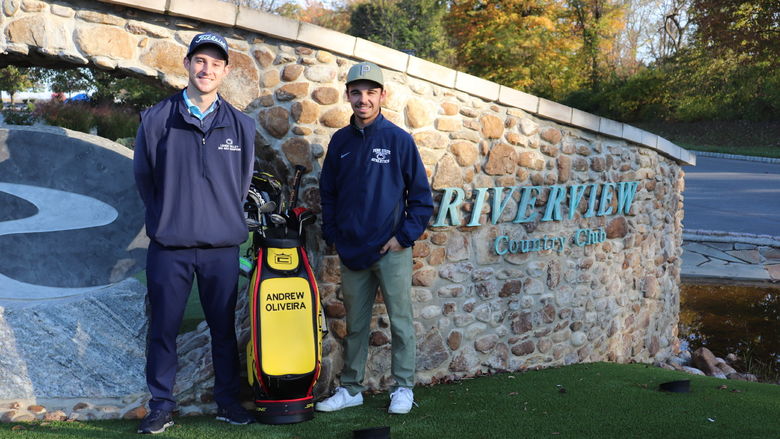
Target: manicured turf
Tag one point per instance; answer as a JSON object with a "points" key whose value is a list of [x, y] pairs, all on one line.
{"points": [[599, 400]]}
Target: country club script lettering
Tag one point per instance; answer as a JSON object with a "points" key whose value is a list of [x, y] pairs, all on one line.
{"points": [[596, 199]]}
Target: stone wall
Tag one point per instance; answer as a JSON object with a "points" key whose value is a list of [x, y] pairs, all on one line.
{"points": [[476, 311]]}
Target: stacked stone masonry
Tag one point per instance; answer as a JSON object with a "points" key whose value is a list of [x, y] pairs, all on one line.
{"points": [[476, 311]]}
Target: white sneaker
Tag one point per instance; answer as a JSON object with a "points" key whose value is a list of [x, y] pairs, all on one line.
{"points": [[401, 401], [341, 399]]}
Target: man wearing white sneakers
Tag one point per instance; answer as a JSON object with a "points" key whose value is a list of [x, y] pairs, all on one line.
{"points": [[376, 201]]}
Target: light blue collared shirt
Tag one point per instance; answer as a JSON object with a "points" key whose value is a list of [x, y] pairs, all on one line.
{"points": [[195, 111]]}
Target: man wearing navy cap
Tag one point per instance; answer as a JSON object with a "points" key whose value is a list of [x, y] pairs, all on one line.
{"points": [[193, 161], [376, 202]]}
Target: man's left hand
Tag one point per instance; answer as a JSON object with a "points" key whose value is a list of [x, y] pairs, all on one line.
{"points": [[391, 245]]}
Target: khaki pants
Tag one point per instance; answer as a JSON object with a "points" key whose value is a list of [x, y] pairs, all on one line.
{"points": [[393, 274]]}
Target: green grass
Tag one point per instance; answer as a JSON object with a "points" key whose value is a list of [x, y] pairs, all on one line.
{"points": [[598, 400], [729, 137]]}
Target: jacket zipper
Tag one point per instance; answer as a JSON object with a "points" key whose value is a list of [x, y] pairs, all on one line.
{"points": [[203, 157]]}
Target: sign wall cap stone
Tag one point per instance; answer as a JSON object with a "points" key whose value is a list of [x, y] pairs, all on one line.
{"points": [[327, 39], [555, 111], [269, 24], [476, 86], [519, 99], [585, 120], [381, 55], [610, 127], [438, 74], [146, 5], [222, 13], [649, 139], [632, 133]]}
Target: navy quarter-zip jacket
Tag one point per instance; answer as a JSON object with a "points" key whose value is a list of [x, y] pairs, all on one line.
{"points": [[373, 186], [193, 175]]}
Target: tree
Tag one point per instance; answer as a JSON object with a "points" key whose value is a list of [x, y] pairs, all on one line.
{"points": [[379, 21], [14, 79], [416, 26], [335, 17], [262, 5], [653, 30], [524, 44], [105, 87], [67, 81], [674, 28], [751, 27], [597, 22]]}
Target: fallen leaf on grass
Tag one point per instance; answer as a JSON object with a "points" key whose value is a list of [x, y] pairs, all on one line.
{"points": [[18, 428], [513, 393], [736, 391], [723, 387]]}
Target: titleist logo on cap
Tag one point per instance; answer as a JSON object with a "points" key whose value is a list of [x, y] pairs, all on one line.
{"points": [[211, 38]]}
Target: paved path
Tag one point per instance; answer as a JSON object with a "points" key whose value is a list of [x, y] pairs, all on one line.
{"points": [[732, 220], [736, 196], [719, 262]]}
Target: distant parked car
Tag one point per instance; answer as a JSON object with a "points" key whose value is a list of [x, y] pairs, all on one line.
{"points": [[78, 97]]}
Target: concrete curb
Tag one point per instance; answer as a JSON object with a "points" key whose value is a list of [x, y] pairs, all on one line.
{"points": [[748, 158]]}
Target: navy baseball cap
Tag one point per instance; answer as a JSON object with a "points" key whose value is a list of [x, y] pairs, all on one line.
{"points": [[215, 40]]}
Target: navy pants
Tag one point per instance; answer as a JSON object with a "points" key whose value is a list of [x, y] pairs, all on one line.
{"points": [[170, 274]]}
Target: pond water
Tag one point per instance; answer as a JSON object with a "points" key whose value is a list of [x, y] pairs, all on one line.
{"points": [[744, 320]]}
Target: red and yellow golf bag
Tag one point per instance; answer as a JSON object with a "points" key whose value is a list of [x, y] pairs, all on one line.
{"points": [[285, 348]]}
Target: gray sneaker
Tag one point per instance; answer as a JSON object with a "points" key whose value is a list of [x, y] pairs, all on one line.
{"points": [[341, 399], [234, 414], [156, 422]]}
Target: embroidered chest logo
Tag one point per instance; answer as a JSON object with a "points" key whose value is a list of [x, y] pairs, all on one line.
{"points": [[380, 155], [229, 146]]}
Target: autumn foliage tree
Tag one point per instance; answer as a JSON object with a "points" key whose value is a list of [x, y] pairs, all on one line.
{"points": [[745, 26], [525, 44], [334, 15], [597, 23], [416, 26]]}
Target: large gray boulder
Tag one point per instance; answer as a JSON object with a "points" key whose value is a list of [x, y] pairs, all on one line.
{"points": [[72, 319], [89, 346]]}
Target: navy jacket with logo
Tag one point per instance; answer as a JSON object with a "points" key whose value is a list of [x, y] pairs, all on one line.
{"points": [[373, 186], [193, 177]]}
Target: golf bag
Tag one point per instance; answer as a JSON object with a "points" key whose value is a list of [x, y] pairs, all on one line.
{"points": [[284, 351]]}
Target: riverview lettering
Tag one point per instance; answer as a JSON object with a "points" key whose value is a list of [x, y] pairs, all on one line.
{"points": [[598, 196]]}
